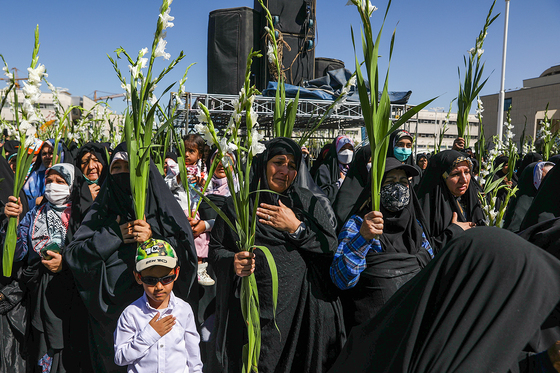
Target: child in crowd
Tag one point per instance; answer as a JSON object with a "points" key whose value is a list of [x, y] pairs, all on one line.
{"points": [[157, 333], [194, 151]]}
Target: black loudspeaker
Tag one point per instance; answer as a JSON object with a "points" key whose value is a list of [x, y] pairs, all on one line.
{"points": [[232, 33], [294, 21], [299, 62], [323, 64], [289, 16]]}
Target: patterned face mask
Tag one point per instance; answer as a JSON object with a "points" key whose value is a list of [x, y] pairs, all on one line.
{"points": [[395, 196]]}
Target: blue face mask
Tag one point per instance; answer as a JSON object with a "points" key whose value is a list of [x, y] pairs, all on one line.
{"points": [[402, 154]]}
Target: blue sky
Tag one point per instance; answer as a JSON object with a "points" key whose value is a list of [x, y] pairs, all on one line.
{"points": [[432, 36]]}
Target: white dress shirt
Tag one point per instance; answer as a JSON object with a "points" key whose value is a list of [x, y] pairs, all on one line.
{"points": [[140, 347]]}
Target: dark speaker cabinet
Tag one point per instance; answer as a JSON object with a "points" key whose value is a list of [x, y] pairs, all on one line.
{"points": [[232, 33]]}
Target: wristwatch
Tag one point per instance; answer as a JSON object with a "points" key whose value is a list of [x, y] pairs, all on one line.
{"points": [[298, 231]]}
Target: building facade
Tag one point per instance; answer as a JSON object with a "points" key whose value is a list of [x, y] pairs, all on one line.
{"points": [[528, 105]]}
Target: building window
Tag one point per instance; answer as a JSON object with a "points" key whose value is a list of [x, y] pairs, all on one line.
{"points": [[507, 104]]}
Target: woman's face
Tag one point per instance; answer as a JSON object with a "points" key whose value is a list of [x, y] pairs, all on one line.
{"points": [[459, 179], [220, 173], [405, 142], [90, 166], [119, 167], [47, 155], [54, 177], [280, 172], [346, 146], [396, 176], [423, 163]]}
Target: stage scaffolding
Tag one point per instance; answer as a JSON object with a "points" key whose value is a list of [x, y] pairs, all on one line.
{"points": [[348, 115]]}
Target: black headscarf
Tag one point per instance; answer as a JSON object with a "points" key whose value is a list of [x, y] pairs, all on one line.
{"points": [[555, 159], [521, 201], [326, 172], [439, 204], [308, 309], [486, 287], [546, 204], [354, 188], [527, 160], [102, 264], [81, 196], [11, 147], [393, 140]]}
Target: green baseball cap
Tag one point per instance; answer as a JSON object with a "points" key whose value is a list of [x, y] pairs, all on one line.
{"points": [[155, 253]]}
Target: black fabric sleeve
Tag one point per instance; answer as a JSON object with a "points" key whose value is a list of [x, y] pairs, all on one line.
{"points": [[448, 234], [324, 181]]}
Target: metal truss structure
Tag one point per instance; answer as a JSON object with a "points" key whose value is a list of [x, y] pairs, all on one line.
{"points": [[309, 112]]}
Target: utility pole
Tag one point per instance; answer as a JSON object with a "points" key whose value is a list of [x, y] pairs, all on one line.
{"points": [[501, 108]]}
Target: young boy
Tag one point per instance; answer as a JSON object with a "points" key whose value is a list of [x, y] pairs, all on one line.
{"points": [[157, 333]]}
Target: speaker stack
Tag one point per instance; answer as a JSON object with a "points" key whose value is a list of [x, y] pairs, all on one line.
{"points": [[231, 35], [295, 23], [233, 32]]}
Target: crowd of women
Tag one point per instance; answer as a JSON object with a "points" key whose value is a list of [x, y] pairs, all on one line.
{"points": [[417, 285]]}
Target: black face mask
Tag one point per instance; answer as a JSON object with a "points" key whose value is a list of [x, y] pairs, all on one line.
{"points": [[122, 194], [395, 196]]}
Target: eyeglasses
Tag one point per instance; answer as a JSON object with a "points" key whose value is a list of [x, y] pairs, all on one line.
{"points": [[153, 281]]}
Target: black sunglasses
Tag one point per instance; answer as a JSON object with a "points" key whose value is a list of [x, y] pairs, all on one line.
{"points": [[153, 281]]}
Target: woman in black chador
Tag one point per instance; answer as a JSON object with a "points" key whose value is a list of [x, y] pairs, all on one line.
{"points": [[546, 204], [474, 308], [13, 305], [529, 183], [375, 257], [101, 255], [297, 229], [448, 197]]}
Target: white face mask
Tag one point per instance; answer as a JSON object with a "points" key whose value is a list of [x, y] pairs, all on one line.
{"points": [[345, 156], [368, 166], [57, 194]]}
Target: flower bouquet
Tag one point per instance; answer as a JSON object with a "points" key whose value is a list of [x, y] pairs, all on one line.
{"points": [[139, 117], [25, 132], [376, 110], [244, 148], [469, 90]]}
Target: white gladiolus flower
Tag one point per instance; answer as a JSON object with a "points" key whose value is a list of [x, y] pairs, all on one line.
{"points": [[8, 73], [204, 131], [29, 141], [127, 90], [134, 70], [24, 126], [160, 49], [166, 19], [201, 116], [236, 105], [227, 147], [35, 75], [179, 101], [27, 107], [270, 53], [32, 93], [143, 52], [253, 115], [152, 99], [33, 117], [143, 62], [480, 51], [267, 29], [257, 148]]}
